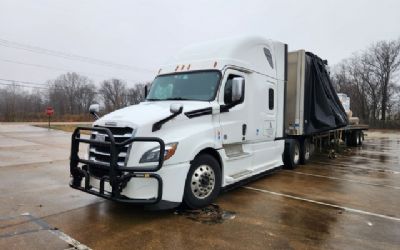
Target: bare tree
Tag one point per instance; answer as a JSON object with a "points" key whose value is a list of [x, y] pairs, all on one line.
{"points": [[351, 77], [71, 93], [17, 104], [136, 94], [114, 94], [384, 61], [369, 79]]}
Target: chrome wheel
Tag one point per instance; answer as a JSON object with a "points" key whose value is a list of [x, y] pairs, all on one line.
{"points": [[307, 149], [296, 157], [202, 182]]}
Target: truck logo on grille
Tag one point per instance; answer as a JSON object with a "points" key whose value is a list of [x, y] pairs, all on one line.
{"points": [[111, 124], [100, 138]]}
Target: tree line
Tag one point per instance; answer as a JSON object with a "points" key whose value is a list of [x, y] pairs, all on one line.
{"points": [[371, 79], [70, 95]]}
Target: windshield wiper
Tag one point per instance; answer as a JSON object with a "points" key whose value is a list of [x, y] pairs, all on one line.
{"points": [[178, 99], [153, 99]]}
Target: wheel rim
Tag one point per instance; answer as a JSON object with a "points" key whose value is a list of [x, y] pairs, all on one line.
{"points": [[307, 152], [202, 181], [296, 157], [358, 139]]}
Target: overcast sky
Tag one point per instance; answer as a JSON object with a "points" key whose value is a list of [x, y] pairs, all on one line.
{"points": [[144, 34]]}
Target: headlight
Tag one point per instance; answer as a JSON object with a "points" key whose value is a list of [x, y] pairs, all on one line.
{"points": [[153, 154]]}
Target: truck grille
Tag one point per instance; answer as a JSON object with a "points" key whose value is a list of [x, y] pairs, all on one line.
{"points": [[101, 154]]}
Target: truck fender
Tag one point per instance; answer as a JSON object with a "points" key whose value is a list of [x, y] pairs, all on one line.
{"points": [[202, 147]]}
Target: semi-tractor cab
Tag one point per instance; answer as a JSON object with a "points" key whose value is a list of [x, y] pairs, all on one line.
{"points": [[218, 113]]}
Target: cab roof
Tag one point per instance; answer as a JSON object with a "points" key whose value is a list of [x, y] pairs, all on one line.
{"points": [[253, 53]]}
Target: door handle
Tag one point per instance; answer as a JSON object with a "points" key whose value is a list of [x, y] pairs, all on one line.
{"points": [[244, 130]]}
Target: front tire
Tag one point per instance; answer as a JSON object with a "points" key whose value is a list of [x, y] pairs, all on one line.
{"points": [[203, 182]]}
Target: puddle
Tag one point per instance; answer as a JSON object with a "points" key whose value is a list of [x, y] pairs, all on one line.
{"points": [[210, 215]]}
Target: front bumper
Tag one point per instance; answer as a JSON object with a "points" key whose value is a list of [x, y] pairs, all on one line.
{"points": [[117, 176]]}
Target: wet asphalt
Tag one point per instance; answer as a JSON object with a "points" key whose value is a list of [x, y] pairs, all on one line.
{"points": [[350, 202]]}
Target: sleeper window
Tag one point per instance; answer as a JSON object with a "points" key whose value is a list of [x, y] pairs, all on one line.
{"points": [[271, 99]]}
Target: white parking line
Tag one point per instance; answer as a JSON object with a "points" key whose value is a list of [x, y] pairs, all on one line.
{"points": [[69, 240], [353, 210], [72, 242], [341, 179]]}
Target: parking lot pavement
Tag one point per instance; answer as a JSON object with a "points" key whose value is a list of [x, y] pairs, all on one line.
{"points": [[351, 202]]}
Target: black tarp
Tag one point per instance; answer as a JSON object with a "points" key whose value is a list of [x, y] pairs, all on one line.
{"points": [[322, 108]]}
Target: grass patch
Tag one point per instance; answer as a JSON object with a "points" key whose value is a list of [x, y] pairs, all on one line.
{"points": [[66, 127]]}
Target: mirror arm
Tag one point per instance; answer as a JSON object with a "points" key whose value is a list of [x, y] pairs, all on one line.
{"points": [[227, 107], [95, 115], [157, 125]]}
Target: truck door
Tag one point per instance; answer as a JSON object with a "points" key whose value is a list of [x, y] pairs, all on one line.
{"points": [[234, 128], [233, 121]]}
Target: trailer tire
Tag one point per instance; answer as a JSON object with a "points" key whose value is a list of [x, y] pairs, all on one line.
{"points": [[360, 138], [305, 151], [291, 155], [352, 138], [203, 182]]}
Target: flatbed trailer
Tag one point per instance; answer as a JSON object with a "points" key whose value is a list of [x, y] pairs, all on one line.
{"points": [[351, 135], [314, 116]]}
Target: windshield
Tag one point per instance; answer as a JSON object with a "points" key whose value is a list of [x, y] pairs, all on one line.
{"points": [[199, 86]]}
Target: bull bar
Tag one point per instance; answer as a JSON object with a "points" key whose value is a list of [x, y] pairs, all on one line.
{"points": [[118, 176]]}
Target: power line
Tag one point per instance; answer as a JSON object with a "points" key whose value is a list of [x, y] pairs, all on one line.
{"points": [[60, 69], [39, 50], [25, 82], [19, 85]]}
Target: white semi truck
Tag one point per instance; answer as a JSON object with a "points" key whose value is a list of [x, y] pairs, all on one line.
{"points": [[217, 114]]}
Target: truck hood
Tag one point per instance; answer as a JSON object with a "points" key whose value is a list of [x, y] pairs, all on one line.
{"points": [[147, 112]]}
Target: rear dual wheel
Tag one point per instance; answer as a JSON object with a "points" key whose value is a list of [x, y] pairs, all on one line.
{"points": [[306, 149], [297, 152], [291, 155], [354, 138]]}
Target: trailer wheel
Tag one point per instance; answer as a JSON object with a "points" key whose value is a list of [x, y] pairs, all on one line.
{"points": [[305, 151], [203, 182], [352, 138], [291, 156], [360, 138]]}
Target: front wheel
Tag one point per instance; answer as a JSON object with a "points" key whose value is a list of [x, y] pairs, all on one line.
{"points": [[203, 182]]}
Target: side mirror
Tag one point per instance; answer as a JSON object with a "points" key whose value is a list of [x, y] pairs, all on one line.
{"points": [[146, 91], [176, 108], [237, 88], [94, 109]]}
